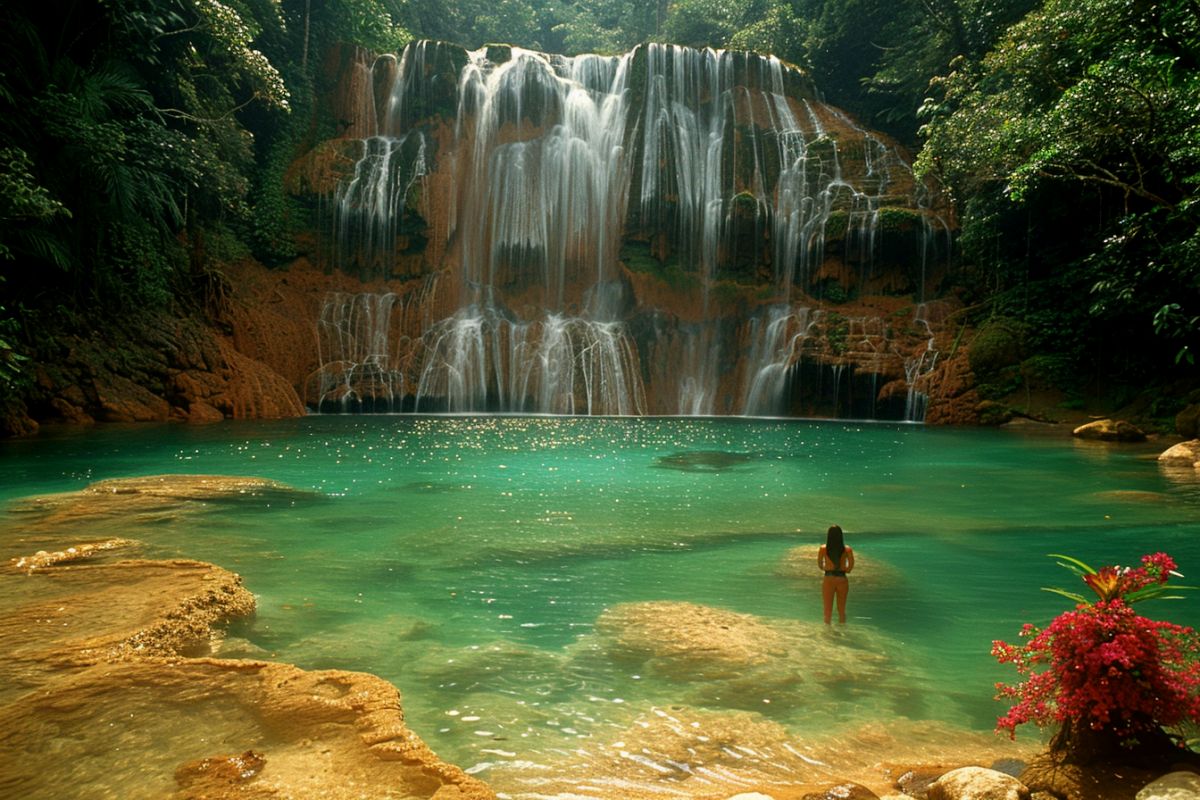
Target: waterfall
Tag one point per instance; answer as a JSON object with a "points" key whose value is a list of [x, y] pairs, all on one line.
{"points": [[914, 368], [722, 165], [358, 371], [777, 343]]}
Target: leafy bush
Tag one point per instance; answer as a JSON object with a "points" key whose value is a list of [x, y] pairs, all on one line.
{"points": [[997, 345], [1110, 678]]}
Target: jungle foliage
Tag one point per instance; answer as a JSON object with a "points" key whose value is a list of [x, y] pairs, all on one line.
{"points": [[142, 141]]}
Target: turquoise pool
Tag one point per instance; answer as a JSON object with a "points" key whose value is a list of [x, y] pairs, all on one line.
{"points": [[468, 559]]}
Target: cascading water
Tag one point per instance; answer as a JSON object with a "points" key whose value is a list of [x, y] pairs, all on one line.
{"points": [[722, 165]]}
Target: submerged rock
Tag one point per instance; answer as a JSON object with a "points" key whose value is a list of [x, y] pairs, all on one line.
{"points": [[801, 562], [724, 659], [686, 751], [212, 774], [152, 497], [63, 617], [688, 639], [127, 729], [81, 552], [704, 461], [105, 691]]}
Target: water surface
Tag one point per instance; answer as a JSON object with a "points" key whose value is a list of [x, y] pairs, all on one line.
{"points": [[468, 559]]}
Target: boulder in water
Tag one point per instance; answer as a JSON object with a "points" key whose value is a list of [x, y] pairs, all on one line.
{"points": [[977, 783], [1184, 454], [1178, 785], [1110, 430]]}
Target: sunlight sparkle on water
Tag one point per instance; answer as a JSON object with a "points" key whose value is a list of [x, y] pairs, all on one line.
{"points": [[508, 569]]}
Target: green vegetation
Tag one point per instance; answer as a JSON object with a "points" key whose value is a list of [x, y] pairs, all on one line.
{"points": [[144, 141], [1073, 148], [637, 257], [837, 329]]}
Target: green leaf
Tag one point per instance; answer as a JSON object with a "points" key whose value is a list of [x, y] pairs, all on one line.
{"points": [[1078, 598], [1076, 566]]}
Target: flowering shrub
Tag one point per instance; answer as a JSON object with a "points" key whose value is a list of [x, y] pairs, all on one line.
{"points": [[1102, 669]]}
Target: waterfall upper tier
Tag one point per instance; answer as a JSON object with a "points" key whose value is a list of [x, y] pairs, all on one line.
{"points": [[668, 231]]}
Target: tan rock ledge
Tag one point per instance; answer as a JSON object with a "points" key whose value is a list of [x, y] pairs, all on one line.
{"points": [[99, 698], [151, 497]]}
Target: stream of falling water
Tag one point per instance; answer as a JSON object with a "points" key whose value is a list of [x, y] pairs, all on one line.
{"points": [[553, 163]]}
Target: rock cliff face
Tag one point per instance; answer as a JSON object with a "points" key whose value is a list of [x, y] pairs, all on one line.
{"points": [[167, 369], [669, 231]]}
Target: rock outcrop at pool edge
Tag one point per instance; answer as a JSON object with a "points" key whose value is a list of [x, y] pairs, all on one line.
{"points": [[1183, 454], [154, 369], [98, 663], [149, 496]]}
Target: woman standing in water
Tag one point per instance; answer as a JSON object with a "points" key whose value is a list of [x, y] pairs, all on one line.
{"points": [[836, 559]]}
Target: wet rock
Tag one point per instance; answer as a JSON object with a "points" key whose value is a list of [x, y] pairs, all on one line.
{"points": [[1187, 422], [15, 420], [121, 399], [682, 632], [201, 413], [212, 774], [1172, 786], [102, 692], [953, 398], [168, 369], [73, 616], [843, 791], [64, 618], [977, 783], [1109, 430], [81, 552], [1184, 454], [333, 735], [916, 782], [150, 497]]}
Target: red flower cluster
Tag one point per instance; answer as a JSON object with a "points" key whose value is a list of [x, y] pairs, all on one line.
{"points": [[1104, 665]]}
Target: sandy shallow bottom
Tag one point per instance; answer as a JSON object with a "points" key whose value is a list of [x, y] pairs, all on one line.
{"points": [[110, 690]]}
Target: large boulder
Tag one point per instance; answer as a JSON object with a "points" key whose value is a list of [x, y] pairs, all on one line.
{"points": [[1184, 454], [1110, 430], [977, 783], [1187, 422], [1172, 786]]}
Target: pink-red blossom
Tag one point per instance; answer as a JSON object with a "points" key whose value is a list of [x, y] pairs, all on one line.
{"points": [[1104, 665]]}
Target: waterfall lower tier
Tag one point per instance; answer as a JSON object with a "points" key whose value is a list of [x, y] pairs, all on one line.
{"points": [[477, 360], [378, 356]]}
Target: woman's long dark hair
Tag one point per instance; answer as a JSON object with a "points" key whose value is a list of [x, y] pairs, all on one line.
{"points": [[834, 546]]}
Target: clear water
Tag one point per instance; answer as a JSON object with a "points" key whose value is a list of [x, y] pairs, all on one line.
{"points": [[468, 559]]}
